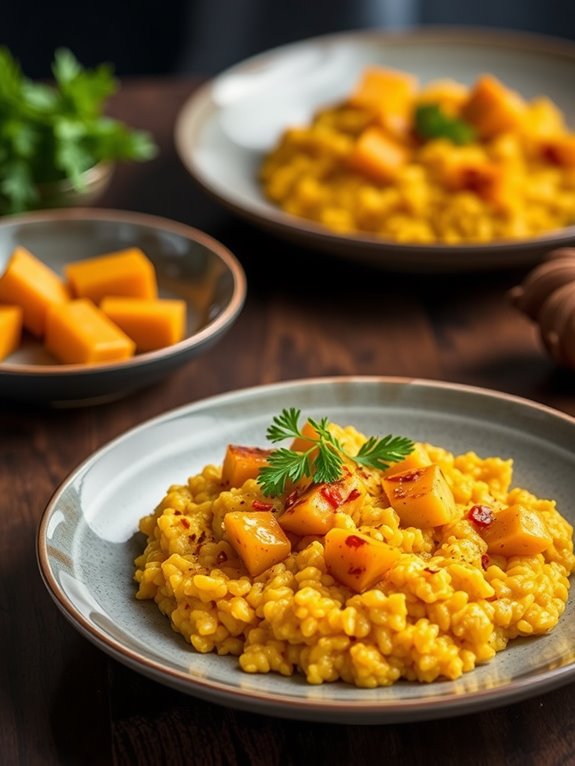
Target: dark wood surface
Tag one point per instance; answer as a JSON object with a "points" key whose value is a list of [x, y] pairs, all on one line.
{"points": [[62, 700]]}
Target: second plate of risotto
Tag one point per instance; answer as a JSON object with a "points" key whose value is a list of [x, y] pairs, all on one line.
{"points": [[433, 150], [340, 549]]}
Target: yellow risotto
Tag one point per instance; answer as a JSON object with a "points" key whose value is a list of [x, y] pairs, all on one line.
{"points": [[443, 163], [418, 572]]}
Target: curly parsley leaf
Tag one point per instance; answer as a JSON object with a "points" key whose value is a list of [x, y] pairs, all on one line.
{"points": [[432, 122], [323, 461]]}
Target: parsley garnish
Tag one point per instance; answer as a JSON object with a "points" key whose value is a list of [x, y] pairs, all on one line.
{"points": [[50, 132], [432, 122], [326, 464]]}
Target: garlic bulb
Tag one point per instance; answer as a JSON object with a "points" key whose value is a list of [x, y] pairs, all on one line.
{"points": [[547, 296]]}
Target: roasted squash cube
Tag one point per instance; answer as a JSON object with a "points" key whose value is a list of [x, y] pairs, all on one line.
{"points": [[417, 458], [313, 513], [558, 150], [384, 90], [516, 531], [357, 560], [301, 444], [242, 463], [31, 284], [377, 155], [257, 538], [492, 108], [421, 497]]}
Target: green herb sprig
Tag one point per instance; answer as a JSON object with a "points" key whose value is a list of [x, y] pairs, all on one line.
{"points": [[286, 465], [432, 122], [50, 132]]}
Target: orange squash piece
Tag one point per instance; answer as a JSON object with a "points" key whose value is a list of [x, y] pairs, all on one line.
{"points": [[77, 332], [387, 91], [492, 108], [417, 458], [257, 538], [313, 513], [125, 273], [377, 155], [35, 287], [516, 531], [242, 463], [300, 444], [151, 323], [421, 497], [558, 150], [10, 329], [357, 560]]}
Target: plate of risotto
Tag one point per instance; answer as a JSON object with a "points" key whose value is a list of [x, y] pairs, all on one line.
{"points": [[356, 549], [433, 150]]}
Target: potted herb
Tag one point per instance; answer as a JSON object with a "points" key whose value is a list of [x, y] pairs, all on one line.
{"points": [[57, 147]]}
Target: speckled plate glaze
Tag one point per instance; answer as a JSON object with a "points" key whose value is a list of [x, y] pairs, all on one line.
{"points": [[87, 538], [190, 265], [226, 127]]}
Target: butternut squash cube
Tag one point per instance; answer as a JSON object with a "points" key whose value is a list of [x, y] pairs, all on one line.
{"points": [[421, 497], [516, 531], [313, 513], [302, 444], [417, 458], [10, 329], [242, 463], [77, 332], [150, 323], [558, 150], [257, 538], [387, 91], [377, 155], [125, 273], [35, 287], [357, 560], [487, 179], [492, 108]]}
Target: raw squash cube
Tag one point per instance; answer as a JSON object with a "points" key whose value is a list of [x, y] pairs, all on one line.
{"points": [[357, 560], [516, 531], [10, 329], [257, 538], [35, 287], [151, 323], [125, 273], [421, 497], [313, 513], [242, 463], [77, 332]]}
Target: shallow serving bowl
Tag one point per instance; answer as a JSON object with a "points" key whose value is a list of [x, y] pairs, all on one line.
{"points": [[189, 265], [88, 538], [224, 129]]}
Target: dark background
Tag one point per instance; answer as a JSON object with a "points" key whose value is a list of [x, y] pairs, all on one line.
{"points": [[207, 36]]}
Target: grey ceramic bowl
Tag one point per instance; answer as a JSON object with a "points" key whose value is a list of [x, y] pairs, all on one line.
{"points": [[189, 264]]}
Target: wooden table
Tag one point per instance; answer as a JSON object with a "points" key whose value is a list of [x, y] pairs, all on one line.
{"points": [[62, 700]]}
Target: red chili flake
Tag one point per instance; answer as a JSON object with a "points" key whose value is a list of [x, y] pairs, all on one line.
{"points": [[353, 541], [221, 557], [353, 495], [202, 537], [258, 505], [481, 515], [356, 570], [177, 513], [405, 477], [485, 561], [192, 538], [430, 570], [185, 523], [332, 494], [290, 499]]}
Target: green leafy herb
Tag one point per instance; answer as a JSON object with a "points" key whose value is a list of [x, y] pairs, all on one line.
{"points": [[326, 464], [432, 122], [50, 132]]}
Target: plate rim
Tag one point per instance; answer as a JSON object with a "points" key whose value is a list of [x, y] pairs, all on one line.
{"points": [[274, 703], [211, 330], [200, 105]]}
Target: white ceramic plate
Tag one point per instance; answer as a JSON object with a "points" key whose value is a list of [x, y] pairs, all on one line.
{"points": [[225, 128], [189, 265], [87, 538]]}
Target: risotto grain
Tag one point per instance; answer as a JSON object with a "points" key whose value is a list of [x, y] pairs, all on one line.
{"points": [[446, 601]]}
